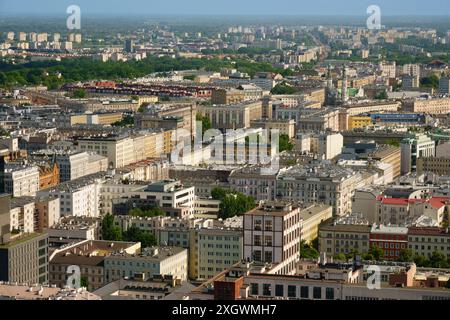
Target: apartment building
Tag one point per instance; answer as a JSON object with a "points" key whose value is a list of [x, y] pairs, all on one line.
{"points": [[169, 194], [328, 281], [24, 259], [124, 150], [424, 241], [79, 197], [233, 116], [89, 256], [415, 147], [213, 250], [286, 127], [310, 218], [440, 164], [21, 180], [429, 106], [78, 164], [392, 240], [183, 113], [320, 183], [386, 154], [252, 181], [358, 122], [272, 235], [342, 238], [402, 211], [22, 212], [150, 261]]}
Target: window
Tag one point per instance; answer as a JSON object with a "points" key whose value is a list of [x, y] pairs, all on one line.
{"points": [[254, 287], [257, 255], [268, 225], [329, 293], [257, 225], [279, 288], [292, 291], [268, 241], [317, 293], [267, 256], [267, 289], [257, 240], [304, 292]]}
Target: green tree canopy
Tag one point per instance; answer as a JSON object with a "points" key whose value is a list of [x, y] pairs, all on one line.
{"points": [[109, 230], [232, 203], [134, 234], [285, 143], [150, 212], [406, 255], [283, 88], [307, 251]]}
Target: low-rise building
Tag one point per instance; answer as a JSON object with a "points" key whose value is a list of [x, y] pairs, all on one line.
{"points": [[150, 262]]}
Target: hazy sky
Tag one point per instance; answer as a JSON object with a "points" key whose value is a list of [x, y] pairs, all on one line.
{"points": [[227, 7]]}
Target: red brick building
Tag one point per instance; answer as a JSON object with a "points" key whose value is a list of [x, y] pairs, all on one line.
{"points": [[392, 240]]}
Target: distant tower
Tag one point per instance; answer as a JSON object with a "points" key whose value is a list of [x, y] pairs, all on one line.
{"points": [[344, 85], [329, 78], [331, 92]]}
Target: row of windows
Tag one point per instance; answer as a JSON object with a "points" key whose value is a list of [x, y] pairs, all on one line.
{"points": [[291, 291]]}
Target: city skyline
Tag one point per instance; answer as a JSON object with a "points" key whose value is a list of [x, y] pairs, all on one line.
{"points": [[231, 7]]}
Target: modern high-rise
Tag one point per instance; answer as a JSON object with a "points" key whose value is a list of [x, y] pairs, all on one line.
{"points": [[129, 46], [272, 235]]}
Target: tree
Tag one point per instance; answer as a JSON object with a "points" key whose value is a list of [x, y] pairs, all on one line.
{"points": [[340, 257], [218, 193], [109, 230], [430, 82], [84, 281], [134, 234], [151, 212], [447, 285], [285, 143], [79, 94], [307, 251], [127, 121], [232, 203], [421, 261], [189, 77], [381, 96], [352, 254], [406, 255], [376, 252], [283, 88], [438, 260]]}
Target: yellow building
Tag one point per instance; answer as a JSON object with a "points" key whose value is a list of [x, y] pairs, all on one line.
{"points": [[311, 217], [358, 122]]}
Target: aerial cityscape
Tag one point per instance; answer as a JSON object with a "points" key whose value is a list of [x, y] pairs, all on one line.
{"points": [[251, 152]]}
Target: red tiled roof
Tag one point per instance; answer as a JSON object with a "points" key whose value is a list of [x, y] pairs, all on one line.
{"points": [[435, 202]]}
